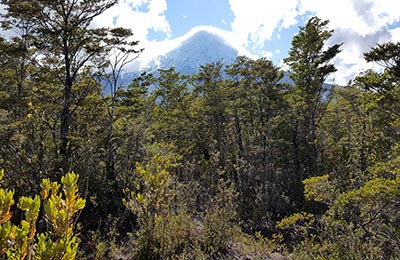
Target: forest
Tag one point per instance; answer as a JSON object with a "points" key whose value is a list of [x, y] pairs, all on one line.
{"points": [[229, 163]]}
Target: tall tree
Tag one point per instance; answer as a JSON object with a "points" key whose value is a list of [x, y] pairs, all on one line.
{"points": [[213, 98], [18, 19], [386, 84], [257, 111], [63, 36], [309, 63], [386, 55], [122, 52]]}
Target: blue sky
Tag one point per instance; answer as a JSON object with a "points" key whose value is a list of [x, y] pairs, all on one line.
{"points": [[259, 28], [185, 15]]}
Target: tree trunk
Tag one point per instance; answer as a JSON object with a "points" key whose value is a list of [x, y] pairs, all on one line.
{"points": [[65, 122], [66, 114]]}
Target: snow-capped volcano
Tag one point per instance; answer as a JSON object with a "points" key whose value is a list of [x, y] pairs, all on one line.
{"points": [[201, 48]]}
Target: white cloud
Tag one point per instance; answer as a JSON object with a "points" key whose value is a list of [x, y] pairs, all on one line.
{"points": [[267, 54], [2, 11], [142, 16], [360, 24], [351, 61], [7, 33], [256, 20], [395, 34], [127, 14]]}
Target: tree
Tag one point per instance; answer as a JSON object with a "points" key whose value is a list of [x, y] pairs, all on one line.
{"points": [[62, 35], [361, 190], [386, 55], [256, 109], [122, 52], [212, 96], [20, 48], [385, 85], [309, 63], [361, 223], [172, 116]]}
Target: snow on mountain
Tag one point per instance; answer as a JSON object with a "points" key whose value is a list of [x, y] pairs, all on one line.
{"points": [[201, 48]]}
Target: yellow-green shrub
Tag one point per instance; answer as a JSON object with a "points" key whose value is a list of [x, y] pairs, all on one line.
{"points": [[361, 223], [60, 209]]}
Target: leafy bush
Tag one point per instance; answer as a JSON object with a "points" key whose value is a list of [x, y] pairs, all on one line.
{"points": [[59, 211], [361, 224]]}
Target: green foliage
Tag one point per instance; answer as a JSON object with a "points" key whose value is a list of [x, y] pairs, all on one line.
{"points": [[319, 189], [220, 221], [361, 224], [386, 55], [6, 201], [149, 201], [60, 209], [309, 62], [361, 220], [298, 226], [161, 210]]}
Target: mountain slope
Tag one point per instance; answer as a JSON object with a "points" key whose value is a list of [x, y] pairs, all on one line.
{"points": [[202, 48]]}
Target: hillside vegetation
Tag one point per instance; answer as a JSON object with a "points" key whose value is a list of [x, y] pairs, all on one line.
{"points": [[229, 163]]}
